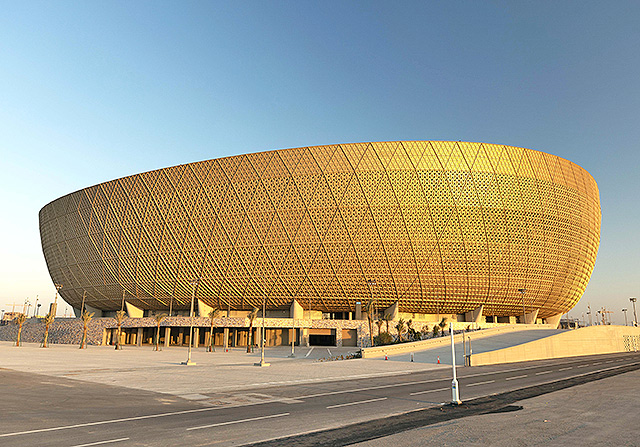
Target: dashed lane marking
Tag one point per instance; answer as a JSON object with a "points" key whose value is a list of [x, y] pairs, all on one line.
{"points": [[240, 421], [111, 441], [356, 403], [517, 377]]}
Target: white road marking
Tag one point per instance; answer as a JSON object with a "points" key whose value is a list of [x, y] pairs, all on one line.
{"points": [[58, 384], [329, 352], [565, 369], [112, 421], [610, 361], [543, 372], [517, 377], [309, 352], [240, 421], [102, 442], [596, 363], [429, 391], [481, 383], [357, 403], [582, 366]]}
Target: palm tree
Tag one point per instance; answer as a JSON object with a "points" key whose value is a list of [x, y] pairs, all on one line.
{"points": [[387, 318], [86, 318], [120, 315], [20, 319], [213, 314], [252, 317], [379, 323], [158, 318], [48, 321], [442, 325], [370, 309], [400, 328], [409, 329]]}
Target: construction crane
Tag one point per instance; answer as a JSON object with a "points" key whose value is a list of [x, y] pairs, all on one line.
{"points": [[604, 313]]}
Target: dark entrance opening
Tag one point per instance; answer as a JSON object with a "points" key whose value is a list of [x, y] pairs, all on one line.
{"points": [[322, 340]]}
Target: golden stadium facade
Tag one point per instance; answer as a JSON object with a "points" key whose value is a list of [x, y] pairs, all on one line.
{"points": [[440, 227]]}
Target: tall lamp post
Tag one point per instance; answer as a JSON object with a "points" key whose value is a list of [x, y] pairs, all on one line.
{"points": [[625, 316], [633, 299], [263, 335], [54, 308], [194, 283], [524, 313]]}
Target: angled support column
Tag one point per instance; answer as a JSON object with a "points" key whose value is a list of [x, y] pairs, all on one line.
{"points": [[133, 311], [531, 317], [554, 320], [296, 311], [474, 316], [203, 309], [392, 310]]}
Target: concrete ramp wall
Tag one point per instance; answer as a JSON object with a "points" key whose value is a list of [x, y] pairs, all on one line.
{"points": [[415, 346], [584, 341]]}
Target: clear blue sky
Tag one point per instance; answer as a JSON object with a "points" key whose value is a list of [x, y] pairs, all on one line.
{"points": [[92, 91]]}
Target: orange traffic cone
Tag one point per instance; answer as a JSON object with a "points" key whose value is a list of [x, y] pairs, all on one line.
{"points": [[438, 360], [385, 357]]}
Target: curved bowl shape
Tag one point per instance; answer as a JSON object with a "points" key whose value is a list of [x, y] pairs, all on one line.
{"points": [[438, 226]]}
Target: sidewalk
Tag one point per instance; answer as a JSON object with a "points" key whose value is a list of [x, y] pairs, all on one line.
{"points": [[143, 368]]}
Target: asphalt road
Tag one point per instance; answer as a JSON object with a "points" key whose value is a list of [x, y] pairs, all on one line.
{"points": [[40, 410]]}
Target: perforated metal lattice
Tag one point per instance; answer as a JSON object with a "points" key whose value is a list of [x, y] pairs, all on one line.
{"points": [[440, 227]]}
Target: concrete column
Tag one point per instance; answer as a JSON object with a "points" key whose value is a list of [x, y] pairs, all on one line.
{"points": [[258, 336], [296, 311], [203, 309], [196, 336], [133, 311], [474, 316], [531, 317], [392, 310], [359, 311], [338, 337], [139, 337], [181, 337], [225, 338], [305, 336], [554, 320], [104, 337], [167, 336]]}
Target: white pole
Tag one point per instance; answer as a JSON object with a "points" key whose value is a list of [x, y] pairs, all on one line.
{"points": [[455, 396], [194, 283]]}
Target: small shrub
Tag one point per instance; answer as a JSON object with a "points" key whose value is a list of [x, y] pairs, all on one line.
{"points": [[383, 338]]}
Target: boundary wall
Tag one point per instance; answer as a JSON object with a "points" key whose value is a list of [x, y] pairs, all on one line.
{"points": [[414, 346], [590, 340]]}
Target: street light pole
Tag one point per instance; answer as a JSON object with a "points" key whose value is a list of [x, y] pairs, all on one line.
{"points": [[524, 312], [633, 299], [194, 283], [262, 335], [54, 309], [625, 316], [455, 394]]}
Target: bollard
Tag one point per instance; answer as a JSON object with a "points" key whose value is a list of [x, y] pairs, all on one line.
{"points": [[412, 357]]}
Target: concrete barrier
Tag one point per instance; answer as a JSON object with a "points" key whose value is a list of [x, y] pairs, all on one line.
{"points": [[590, 340], [414, 346]]}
